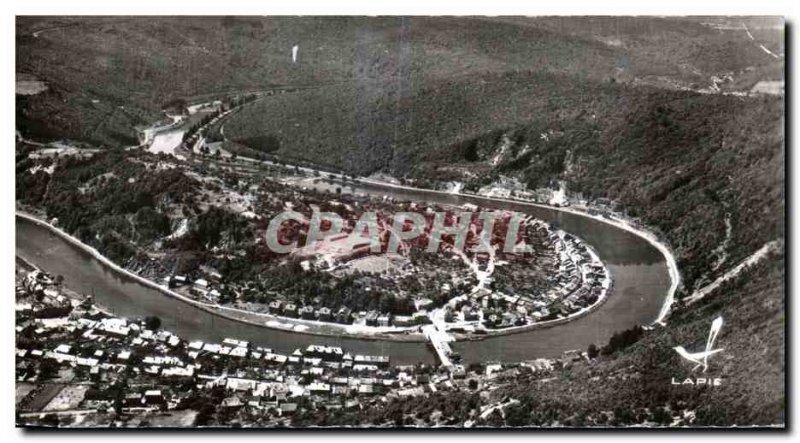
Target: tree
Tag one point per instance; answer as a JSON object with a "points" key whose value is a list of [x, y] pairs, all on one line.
{"points": [[80, 372], [661, 416], [152, 322], [48, 368], [50, 420], [592, 351]]}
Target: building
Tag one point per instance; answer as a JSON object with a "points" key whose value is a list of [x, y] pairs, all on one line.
{"points": [[323, 314], [290, 310], [201, 284], [344, 315], [275, 307], [318, 388], [372, 318], [327, 353], [307, 312], [380, 361], [177, 280], [385, 320], [153, 398]]}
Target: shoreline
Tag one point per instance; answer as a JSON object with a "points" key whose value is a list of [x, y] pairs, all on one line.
{"points": [[211, 309], [617, 222], [305, 325], [651, 238]]}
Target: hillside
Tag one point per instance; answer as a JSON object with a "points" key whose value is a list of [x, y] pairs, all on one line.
{"points": [[680, 162], [633, 385], [108, 74]]}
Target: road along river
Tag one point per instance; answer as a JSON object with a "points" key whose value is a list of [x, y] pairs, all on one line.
{"points": [[641, 285]]}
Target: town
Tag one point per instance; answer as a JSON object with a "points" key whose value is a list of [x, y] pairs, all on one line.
{"points": [[77, 365]]}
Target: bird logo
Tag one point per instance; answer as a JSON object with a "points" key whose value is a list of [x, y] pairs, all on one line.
{"points": [[701, 358]]}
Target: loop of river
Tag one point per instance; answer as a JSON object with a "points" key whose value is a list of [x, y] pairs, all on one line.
{"points": [[640, 273]]}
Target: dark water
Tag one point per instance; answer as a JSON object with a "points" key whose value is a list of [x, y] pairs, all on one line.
{"points": [[641, 281]]}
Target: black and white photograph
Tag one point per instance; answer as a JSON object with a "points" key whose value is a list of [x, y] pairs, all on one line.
{"points": [[403, 221]]}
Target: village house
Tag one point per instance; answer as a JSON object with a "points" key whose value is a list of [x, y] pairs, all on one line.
{"points": [[176, 281], [318, 388], [290, 310], [275, 307], [384, 320], [377, 360], [344, 315], [201, 284], [328, 353], [372, 318], [307, 312], [323, 314], [153, 398]]}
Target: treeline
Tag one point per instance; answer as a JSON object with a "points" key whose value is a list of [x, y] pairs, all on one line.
{"points": [[213, 134], [266, 282], [108, 200], [682, 163]]}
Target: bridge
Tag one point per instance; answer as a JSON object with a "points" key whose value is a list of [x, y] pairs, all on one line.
{"points": [[439, 338]]}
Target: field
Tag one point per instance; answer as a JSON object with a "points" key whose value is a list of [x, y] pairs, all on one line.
{"points": [[42, 396], [68, 398], [22, 390]]}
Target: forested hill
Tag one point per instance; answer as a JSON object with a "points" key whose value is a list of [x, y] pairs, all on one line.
{"points": [[629, 380], [106, 74]]}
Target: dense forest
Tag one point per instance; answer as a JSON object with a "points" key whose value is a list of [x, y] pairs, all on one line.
{"points": [[668, 158], [106, 75], [679, 162]]}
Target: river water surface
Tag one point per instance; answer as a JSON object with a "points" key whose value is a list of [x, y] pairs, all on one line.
{"points": [[640, 273]]}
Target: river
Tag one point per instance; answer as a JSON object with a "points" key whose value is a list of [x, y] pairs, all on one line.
{"points": [[640, 273]]}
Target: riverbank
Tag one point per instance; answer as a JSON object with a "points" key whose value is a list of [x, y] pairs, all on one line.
{"points": [[411, 334], [617, 222], [246, 317], [311, 327], [72, 295]]}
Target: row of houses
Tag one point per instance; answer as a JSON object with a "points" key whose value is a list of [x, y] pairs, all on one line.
{"points": [[345, 315]]}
